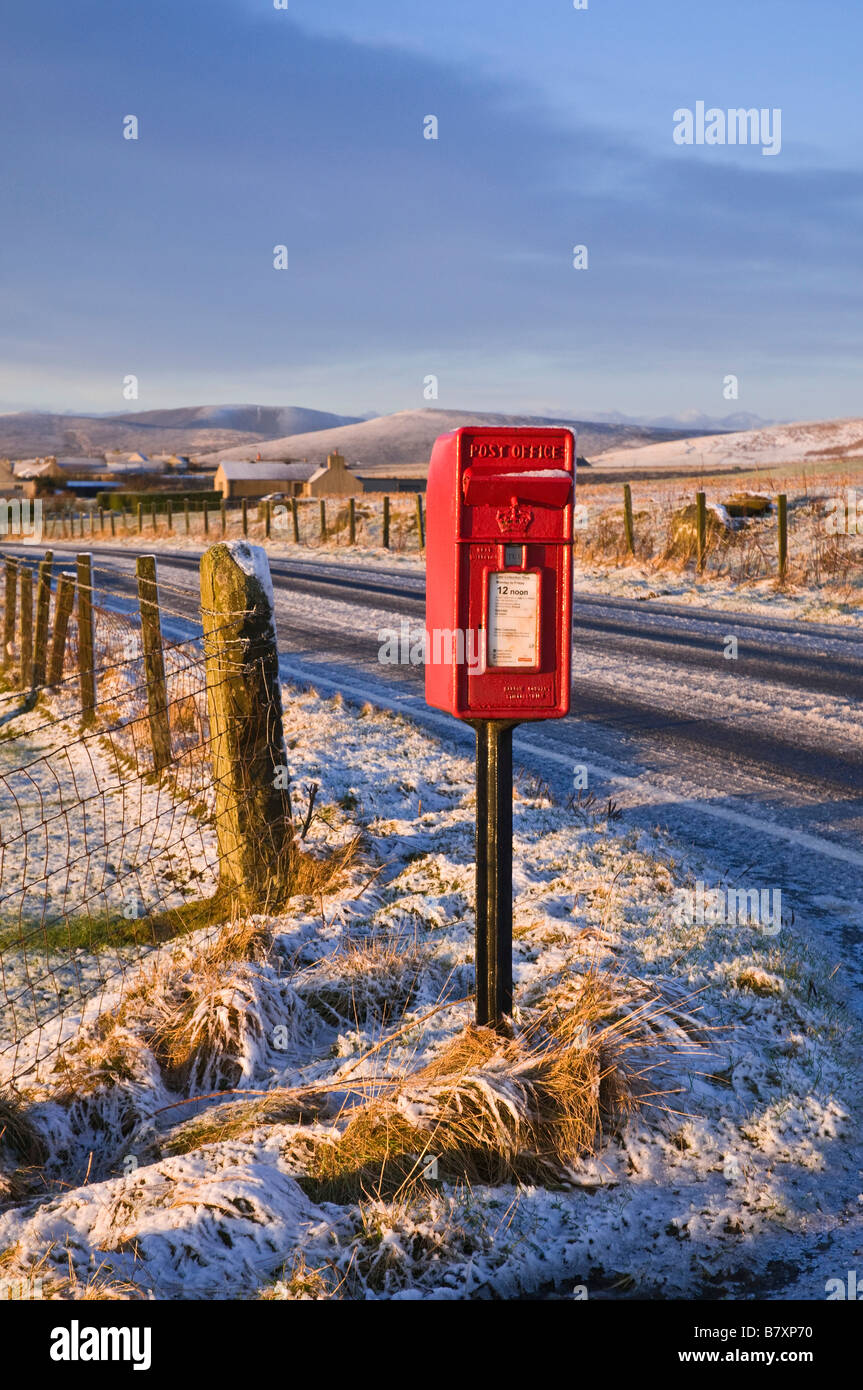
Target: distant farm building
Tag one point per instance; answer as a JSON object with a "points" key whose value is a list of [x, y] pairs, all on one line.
{"points": [[235, 480], [243, 479], [43, 470], [83, 475]]}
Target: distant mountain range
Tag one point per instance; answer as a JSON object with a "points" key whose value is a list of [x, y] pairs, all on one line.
{"points": [[187, 430], [693, 421], [397, 444], [401, 443]]}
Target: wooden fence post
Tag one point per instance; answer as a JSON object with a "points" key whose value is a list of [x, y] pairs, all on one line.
{"points": [[153, 526], [154, 661], [43, 622], [701, 529], [249, 758], [421, 533], [186, 514], [10, 609], [352, 522], [628, 527], [206, 517], [112, 521], [170, 515], [223, 509], [782, 517], [140, 507], [244, 503], [268, 518], [102, 521], [26, 642], [86, 638], [295, 517], [62, 610], [323, 507]]}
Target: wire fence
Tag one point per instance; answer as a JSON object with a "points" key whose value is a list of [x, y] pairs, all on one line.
{"points": [[107, 847], [380, 520]]}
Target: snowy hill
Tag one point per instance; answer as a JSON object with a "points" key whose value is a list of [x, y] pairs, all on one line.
{"points": [[402, 442], [185, 430], [818, 441]]}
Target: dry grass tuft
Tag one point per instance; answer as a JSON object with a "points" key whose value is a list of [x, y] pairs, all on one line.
{"points": [[204, 1020], [247, 940], [490, 1108], [20, 1141], [368, 981], [310, 874], [239, 1119], [682, 538], [198, 1011], [101, 1286], [105, 1055], [760, 982], [17, 1132], [304, 1283]]}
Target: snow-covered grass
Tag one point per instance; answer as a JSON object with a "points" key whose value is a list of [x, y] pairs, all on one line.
{"points": [[669, 1114], [824, 576]]}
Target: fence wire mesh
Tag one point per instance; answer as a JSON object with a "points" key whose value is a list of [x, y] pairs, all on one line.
{"points": [[103, 855]]}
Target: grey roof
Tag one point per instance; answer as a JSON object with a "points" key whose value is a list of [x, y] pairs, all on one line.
{"points": [[269, 472], [90, 465]]}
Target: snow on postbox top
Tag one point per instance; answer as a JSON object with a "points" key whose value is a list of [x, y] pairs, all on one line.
{"points": [[499, 573]]}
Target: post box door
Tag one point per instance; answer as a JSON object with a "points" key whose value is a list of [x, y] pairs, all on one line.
{"points": [[499, 550]]}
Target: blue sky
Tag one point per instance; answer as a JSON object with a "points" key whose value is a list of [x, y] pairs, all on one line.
{"points": [[410, 257]]}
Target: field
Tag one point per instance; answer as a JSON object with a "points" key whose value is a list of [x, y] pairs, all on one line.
{"points": [[297, 1106]]}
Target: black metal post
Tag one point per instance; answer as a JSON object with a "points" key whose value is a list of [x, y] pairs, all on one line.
{"points": [[493, 948]]}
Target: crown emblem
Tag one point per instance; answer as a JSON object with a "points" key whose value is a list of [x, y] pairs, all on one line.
{"points": [[515, 517]]}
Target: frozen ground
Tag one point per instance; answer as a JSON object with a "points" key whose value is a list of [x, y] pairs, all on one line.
{"points": [[740, 1177]]}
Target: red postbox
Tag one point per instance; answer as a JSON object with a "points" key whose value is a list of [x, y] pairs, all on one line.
{"points": [[498, 635], [499, 573]]}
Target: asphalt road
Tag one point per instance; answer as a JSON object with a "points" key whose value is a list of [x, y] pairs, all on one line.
{"points": [[754, 763]]}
